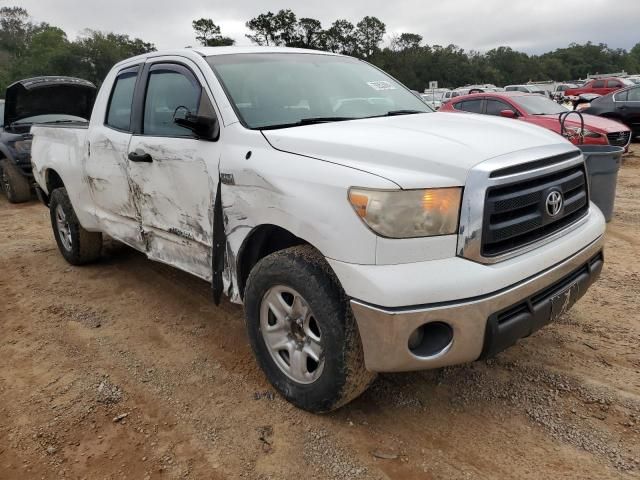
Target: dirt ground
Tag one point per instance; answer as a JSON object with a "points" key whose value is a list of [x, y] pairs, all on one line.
{"points": [[125, 369]]}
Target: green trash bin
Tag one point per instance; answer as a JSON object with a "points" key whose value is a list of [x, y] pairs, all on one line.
{"points": [[603, 163]]}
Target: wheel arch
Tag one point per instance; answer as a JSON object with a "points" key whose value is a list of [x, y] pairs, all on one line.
{"points": [[261, 241], [52, 180]]}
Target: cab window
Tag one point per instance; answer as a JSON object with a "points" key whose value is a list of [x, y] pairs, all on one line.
{"points": [[614, 84], [172, 92], [598, 84], [119, 108]]}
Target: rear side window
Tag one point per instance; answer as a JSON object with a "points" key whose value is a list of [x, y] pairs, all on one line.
{"points": [[598, 84], [633, 95], [621, 96], [494, 107], [614, 84], [471, 106], [119, 109], [170, 93]]}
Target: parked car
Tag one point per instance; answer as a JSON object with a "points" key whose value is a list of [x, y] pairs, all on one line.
{"points": [[28, 102], [358, 230], [622, 106], [600, 86], [543, 112], [558, 91], [452, 94], [525, 89], [434, 101]]}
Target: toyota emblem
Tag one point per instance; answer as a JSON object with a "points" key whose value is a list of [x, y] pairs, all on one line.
{"points": [[554, 203]]}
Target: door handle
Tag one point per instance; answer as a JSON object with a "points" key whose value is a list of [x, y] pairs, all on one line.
{"points": [[140, 157]]}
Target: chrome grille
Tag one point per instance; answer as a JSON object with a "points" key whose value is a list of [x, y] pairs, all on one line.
{"points": [[619, 139], [515, 214]]}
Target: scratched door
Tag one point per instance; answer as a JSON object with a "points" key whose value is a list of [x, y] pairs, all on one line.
{"points": [[176, 173], [106, 167]]}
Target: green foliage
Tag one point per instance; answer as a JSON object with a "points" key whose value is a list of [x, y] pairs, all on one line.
{"points": [[415, 64], [208, 34], [28, 49]]}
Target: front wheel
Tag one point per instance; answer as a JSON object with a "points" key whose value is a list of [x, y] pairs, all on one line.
{"points": [[15, 185], [303, 332], [77, 245]]}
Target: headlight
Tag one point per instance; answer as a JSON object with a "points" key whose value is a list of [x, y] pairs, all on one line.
{"points": [[22, 146], [408, 213]]}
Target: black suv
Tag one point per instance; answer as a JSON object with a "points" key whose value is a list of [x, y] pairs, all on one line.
{"points": [[622, 105], [36, 100]]}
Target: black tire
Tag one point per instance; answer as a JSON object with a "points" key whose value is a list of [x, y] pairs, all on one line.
{"points": [[85, 247], [14, 184], [343, 377]]}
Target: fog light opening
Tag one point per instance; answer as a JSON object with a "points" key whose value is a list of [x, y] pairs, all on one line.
{"points": [[430, 339]]}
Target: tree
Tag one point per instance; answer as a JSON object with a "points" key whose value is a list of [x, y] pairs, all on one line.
{"points": [[208, 33], [406, 41], [99, 51], [341, 38], [274, 29], [310, 33], [369, 34]]}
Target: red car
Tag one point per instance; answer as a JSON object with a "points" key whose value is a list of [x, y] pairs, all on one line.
{"points": [[600, 86], [542, 111]]}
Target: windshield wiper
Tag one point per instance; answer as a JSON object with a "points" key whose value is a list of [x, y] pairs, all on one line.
{"points": [[394, 113], [61, 121], [307, 121]]}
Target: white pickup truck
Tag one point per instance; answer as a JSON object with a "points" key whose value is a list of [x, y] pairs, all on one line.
{"points": [[362, 232]]}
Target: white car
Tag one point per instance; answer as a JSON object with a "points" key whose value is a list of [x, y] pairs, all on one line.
{"points": [[362, 232]]}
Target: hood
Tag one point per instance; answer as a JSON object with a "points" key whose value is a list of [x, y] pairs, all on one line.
{"points": [[591, 122], [414, 151], [48, 95]]}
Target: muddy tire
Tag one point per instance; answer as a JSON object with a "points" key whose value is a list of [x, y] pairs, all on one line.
{"points": [[303, 332], [15, 185], [77, 245]]}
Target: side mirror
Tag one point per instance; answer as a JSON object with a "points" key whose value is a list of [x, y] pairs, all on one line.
{"points": [[206, 128], [508, 114]]}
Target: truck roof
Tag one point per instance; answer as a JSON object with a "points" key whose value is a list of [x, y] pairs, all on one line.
{"points": [[209, 51]]}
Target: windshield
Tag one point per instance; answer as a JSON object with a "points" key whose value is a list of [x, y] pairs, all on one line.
{"points": [[627, 82], [281, 89], [539, 105], [49, 118]]}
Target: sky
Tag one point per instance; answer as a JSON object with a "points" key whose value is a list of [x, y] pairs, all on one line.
{"points": [[532, 26]]}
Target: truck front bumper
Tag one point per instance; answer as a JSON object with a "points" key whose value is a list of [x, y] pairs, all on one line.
{"points": [[469, 329]]}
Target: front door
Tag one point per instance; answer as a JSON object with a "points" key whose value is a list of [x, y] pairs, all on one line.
{"points": [[106, 166], [177, 174]]}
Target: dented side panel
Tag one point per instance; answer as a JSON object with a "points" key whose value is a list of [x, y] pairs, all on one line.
{"points": [[306, 196], [175, 195], [62, 150]]}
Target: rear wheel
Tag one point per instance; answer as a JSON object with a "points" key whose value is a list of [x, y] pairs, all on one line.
{"points": [[77, 245], [14, 184], [303, 332]]}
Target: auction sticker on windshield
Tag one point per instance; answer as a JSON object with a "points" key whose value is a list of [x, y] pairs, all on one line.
{"points": [[381, 85]]}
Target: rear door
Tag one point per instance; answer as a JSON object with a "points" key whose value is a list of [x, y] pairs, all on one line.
{"points": [[176, 174], [597, 86], [106, 167], [613, 85], [627, 105]]}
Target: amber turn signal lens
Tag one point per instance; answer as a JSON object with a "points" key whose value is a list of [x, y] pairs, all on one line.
{"points": [[359, 202]]}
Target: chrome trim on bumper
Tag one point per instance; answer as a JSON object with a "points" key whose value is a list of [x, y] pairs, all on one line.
{"points": [[480, 180], [385, 332]]}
